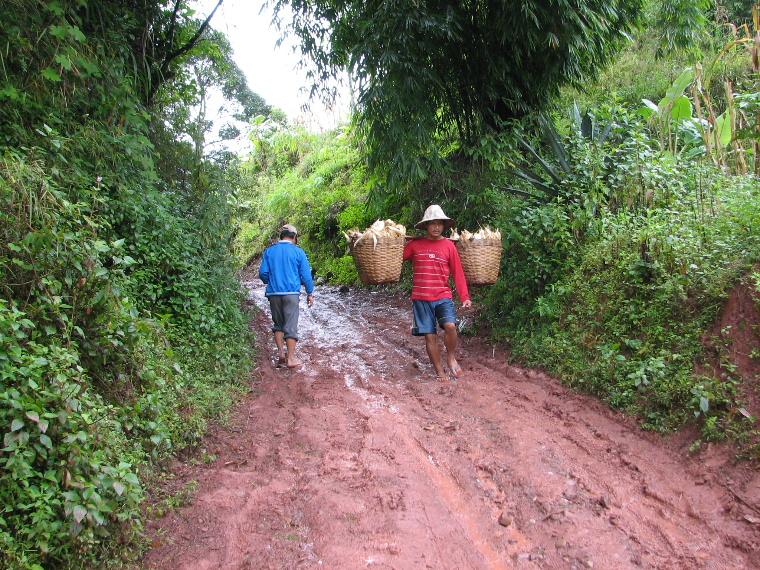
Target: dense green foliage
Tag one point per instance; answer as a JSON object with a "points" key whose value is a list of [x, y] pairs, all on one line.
{"points": [[431, 76], [625, 221], [121, 331], [612, 285], [316, 182]]}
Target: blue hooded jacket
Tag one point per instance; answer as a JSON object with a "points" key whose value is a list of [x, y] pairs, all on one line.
{"points": [[284, 268]]}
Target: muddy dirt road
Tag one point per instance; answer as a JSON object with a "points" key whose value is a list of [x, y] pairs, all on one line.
{"points": [[363, 460]]}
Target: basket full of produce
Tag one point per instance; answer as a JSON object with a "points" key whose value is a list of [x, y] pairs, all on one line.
{"points": [[480, 253], [378, 251]]}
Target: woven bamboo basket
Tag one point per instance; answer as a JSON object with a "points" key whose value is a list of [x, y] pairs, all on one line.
{"points": [[379, 262], [481, 260]]}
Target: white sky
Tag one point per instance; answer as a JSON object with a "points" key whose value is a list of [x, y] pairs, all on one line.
{"points": [[271, 71]]}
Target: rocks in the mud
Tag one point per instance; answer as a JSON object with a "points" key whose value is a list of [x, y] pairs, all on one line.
{"points": [[571, 491], [603, 502], [556, 515], [505, 519], [535, 556], [393, 500]]}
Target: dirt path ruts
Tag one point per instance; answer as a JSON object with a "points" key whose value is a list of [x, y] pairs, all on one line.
{"points": [[363, 460]]}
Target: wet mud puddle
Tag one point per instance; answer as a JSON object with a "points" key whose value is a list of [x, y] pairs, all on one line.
{"points": [[361, 459]]}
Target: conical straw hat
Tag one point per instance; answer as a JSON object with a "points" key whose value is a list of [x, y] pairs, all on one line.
{"points": [[434, 212]]}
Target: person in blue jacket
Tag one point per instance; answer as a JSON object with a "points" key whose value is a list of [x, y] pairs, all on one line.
{"points": [[284, 268]]}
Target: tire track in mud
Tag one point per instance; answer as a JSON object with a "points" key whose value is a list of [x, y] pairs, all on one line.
{"points": [[363, 460]]}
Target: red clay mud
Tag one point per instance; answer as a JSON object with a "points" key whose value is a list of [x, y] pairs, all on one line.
{"points": [[361, 459]]}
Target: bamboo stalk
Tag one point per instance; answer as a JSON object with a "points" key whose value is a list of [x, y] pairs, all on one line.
{"points": [[706, 131], [756, 68], [741, 163]]}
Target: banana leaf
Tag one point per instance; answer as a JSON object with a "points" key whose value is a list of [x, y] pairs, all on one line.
{"points": [[675, 91], [681, 109], [723, 132]]}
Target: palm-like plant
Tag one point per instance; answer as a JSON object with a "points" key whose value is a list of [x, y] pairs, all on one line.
{"points": [[546, 177]]}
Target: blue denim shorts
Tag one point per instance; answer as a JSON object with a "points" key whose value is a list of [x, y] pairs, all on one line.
{"points": [[427, 313]]}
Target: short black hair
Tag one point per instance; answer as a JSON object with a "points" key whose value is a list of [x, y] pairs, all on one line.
{"points": [[286, 234]]}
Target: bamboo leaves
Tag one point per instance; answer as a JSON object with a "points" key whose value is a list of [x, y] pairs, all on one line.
{"points": [[434, 77]]}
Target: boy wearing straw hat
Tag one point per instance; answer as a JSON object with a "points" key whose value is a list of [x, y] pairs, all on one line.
{"points": [[434, 259], [284, 269]]}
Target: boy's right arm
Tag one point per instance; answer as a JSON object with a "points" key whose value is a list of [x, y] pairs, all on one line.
{"points": [[264, 269], [409, 250]]}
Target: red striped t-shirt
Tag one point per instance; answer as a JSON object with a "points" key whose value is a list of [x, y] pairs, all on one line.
{"points": [[433, 262]]}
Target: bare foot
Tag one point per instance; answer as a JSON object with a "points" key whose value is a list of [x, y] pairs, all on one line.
{"points": [[281, 361], [441, 376], [456, 370], [294, 363]]}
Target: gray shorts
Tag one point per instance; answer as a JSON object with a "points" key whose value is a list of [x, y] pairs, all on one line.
{"points": [[285, 314]]}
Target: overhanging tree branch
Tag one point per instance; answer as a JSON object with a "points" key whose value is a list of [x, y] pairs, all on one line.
{"points": [[192, 41], [173, 55], [173, 24]]}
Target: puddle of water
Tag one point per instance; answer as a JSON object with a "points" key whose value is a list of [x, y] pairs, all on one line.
{"points": [[338, 323]]}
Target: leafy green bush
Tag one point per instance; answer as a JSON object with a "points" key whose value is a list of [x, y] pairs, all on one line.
{"points": [[323, 194], [121, 330], [93, 387], [66, 480], [615, 299]]}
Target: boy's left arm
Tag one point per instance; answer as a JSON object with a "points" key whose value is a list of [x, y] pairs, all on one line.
{"points": [[455, 267]]}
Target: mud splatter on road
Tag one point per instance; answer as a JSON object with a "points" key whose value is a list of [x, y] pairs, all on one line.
{"points": [[363, 460]]}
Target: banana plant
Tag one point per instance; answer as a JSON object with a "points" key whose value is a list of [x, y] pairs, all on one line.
{"points": [[723, 134], [731, 127], [673, 110]]}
